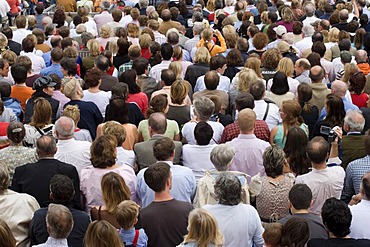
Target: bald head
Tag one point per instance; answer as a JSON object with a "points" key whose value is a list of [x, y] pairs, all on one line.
{"points": [[317, 150], [246, 121], [64, 128], [361, 56], [46, 146], [157, 123], [316, 74], [166, 15], [302, 65], [339, 88]]}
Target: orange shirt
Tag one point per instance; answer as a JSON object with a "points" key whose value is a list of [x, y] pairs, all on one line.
{"points": [[22, 94]]}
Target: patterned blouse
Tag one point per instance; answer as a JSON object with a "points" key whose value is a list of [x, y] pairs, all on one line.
{"points": [[272, 203]]}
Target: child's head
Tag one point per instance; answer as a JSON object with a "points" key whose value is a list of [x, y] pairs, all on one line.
{"points": [[203, 228], [272, 234], [126, 214], [5, 89]]}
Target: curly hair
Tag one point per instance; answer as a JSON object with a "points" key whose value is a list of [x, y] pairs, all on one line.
{"points": [[245, 78], [228, 189], [260, 40], [234, 58], [273, 161], [270, 58]]}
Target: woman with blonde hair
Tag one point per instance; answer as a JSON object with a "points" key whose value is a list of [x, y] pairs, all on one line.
{"points": [[178, 56], [203, 230], [287, 19], [102, 234], [255, 64], [72, 111], [241, 82], [93, 46], [114, 191], [349, 70], [287, 67], [200, 66], [104, 33], [178, 110], [206, 41], [133, 32], [177, 69], [40, 122], [145, 42], [290, 113]]}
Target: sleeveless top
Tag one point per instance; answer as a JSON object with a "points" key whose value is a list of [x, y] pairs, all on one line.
{"points": [[279, 138]]}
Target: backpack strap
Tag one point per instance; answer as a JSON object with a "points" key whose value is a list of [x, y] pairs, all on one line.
{"points": [[99, 213], [266, 112], [212, 48], [136, 238]]}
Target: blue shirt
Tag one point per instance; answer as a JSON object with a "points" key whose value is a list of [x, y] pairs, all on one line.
{"points": [[47, 58], [347, 106], [128, 236], [54, 68], [183, 185]]}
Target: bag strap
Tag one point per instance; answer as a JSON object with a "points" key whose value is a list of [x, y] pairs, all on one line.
{"points": [[212, 48], [99, 213], [266, 112], [136, 238], [40, 131]]}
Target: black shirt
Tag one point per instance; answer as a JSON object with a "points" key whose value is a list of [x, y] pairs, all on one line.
{"points": [[338, 242]]}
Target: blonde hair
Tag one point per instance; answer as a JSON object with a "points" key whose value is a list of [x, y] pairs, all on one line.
{"points": [[115, 129], [133, 30], [31, 19], [203, 229], [41, 113], [287, 14], [3, 41], [73, 112], [211, 5], [105, 31], [177, 69], [286, 66], [245, 78], [114, 190], [9, 56], [349, 69], [202, 55], [6, 236], [179, 91], [100, 233], [70, 52], [145, 40], [126, 214], [254, 63], [333, 35], [207, 35], [94, 47], [112, 45], [177, 53]]}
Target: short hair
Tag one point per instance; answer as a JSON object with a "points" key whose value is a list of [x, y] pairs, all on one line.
{"points": [[257, 89], [228, 189], [59, 221], [203, 133], [115, 129], [5, 89], [62, 189], [69, 64], [204, 108], [260, 40], [134, 51], [92, 77], [156, 176], [168, 77], [355, 120], [20, 21], [163, 148], [295, 232], [140, 64], [64, 31], [337, 217], [93, 46], [28, 45], [65, 126], [56, 55], [246, 120], [102, 63], [221, 156], [211, 80], [272, 234], [40, 35], [365, 183], [46, 146], [317, 150], [244, 101], [217, 62], [319, 47], [273, 161], [126, 214], [166, 51], [173, 37], [300, 195], [67, 42], [103, 151], [117, 15], [158, 122], [39, 8]]}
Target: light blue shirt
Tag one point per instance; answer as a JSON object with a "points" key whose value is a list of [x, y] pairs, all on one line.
{"points": [[347, 106], [183, 185], [47, 58], [224, 84], [54, 68], [127, 236]]}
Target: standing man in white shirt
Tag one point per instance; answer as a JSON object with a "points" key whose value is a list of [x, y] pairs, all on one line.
{"points": [[166, 53], [21, 32]]}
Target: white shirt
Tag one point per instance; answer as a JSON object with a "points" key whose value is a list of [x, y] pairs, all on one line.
{"points": [[197, 158], [101, 99], [273, 116], [338, 65], [324, 184], [305, 43], [159, 38], [309, 20], [191, 43], [224, 84], [125, 20], [188, 132], [4, 8], [156, 70], [360, 220], [293, 85], [20, 34], [125, 157], [240, 224], [38, 63], [76, 153], [329, 70]]}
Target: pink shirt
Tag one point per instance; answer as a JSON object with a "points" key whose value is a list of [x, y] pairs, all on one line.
{"points": [[140, 99]]}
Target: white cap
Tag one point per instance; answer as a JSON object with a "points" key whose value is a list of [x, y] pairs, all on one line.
{"points": [[280, 30]]}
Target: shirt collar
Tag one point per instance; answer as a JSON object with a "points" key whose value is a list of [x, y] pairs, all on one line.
{"points": [[247, 136]]}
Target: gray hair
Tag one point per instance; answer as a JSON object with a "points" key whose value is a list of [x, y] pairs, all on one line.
{"points": [[221, 156], [143, 3], [59, 221], [355, 120], [308, 31], [273, 161], [81, 28], [309, 9], [204, 108], [198, 27], [4, 177], [228, 189], [65, 127]]}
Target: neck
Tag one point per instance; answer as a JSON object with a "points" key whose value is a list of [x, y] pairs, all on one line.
{"points": [[247, 132], [94, 89], [319, 166], [162, 196], [331, 235], [299, 211]]}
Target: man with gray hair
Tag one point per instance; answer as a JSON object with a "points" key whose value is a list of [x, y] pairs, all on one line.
{"points": [[69, 150], [59, 223], [343, 20], [353, 144], [310, 15], [203, 110], [18, 220], [238, 222], [157, 129], [221, 157], [306, 42], [197, 30]]}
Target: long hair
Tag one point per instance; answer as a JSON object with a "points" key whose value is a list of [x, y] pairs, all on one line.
{"points": [[292, 118], [102, 234], [295, 151], [203, 229], [335, 111], [6, 236], [114, 191], [41, 113], [304, 96]]}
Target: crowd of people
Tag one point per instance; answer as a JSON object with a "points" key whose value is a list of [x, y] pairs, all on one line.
{"points": [[190, 123]]}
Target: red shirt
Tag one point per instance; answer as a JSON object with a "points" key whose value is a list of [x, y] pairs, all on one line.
{"points": [[360, 100], [140, 99], [231, 131]]}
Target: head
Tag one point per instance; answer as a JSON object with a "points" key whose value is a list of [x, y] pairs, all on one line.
{"points": [[130, 77], [273, 161], [260, 40], [272, 234], [271, 58], [41, 113], [337, 217], [318, 150], [203, 133], [258, 89], [202, 55], [203, 108], [61, 189], [244, 101], [46, 146], [157, 123], [246, 121], [301, 65], [166, 51], [158, 177], [69, 67], [103, 151], [228, 189], [93, 46], [295, 232], [64, 128], [20, 21], [59, 221], [354, 121], [211, 80], [247, 77], [317, 74], [221, 156], [280, 84], [15, 132], [103, 234], [357, 82], [300, 197], [164, 149], [114, 191], [126, 214], [115, 129]]}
